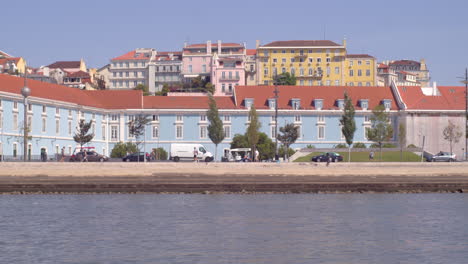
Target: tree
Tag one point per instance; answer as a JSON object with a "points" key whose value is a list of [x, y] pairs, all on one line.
{"points": [[136, 128], [143, 88], [160, 153], [285, 79], [265, 146], [452, 134], [82, 136], [381, 129], [348, 124], [121, 149], [209, 88], [288, 135], [253, 131], [164, 90], [215, 128], [401, 138]]}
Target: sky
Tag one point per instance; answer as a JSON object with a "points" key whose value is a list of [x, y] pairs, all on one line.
{"points": [[55, 30]]}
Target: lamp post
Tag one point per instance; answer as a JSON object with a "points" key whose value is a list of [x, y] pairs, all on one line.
{"points": [[465, 81], [276, 121], [25, 91]]}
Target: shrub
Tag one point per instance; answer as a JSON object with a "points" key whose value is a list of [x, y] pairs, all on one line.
{"points": [[310, 146], [338, 146], [121, 149], [160, 154], [411, 146], [282, 153], [359, 145], [384, 145]]}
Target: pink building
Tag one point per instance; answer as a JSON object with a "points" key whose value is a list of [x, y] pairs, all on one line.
{"points": [[222, 64]]}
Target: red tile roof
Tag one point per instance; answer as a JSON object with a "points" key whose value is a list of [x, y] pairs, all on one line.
{"points": [[251, 52], [65, 64], [383, 66], [301, 43], [359, 56], [215, 45], [186, 102], [100, 99], [450, 98], [131, 56], [307, 94], [405, 62], [170, 52], [79, 74]]}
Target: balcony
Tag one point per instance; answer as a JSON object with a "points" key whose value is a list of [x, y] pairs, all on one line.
{"points": [[229, 78]]}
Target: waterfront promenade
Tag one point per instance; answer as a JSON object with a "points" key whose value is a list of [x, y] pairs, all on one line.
{"points": [[232, 177]]}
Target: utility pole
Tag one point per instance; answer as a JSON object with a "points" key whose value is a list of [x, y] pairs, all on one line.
{"points": [[465, 81], [25, 91], [276, 92]]}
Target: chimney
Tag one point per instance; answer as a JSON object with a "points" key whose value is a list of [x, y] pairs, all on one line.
{"points": [[219, 46], [257, 44], [208, 47]]}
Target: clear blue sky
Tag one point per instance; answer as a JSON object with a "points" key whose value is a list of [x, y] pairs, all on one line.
{"points": [[50, 30]]}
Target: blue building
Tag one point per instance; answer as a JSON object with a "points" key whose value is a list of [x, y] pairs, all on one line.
{"points": [[54, 112]]}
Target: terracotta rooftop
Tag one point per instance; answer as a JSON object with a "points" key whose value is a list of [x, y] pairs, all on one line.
{"points": [[404, 62], [186, 102], [79, 74], [215, 45], [358, 56], [450, 98], [251, 52], [4, 54], [307, 94], [100, 99], [65, 64], [132, 55], [301, 43]]}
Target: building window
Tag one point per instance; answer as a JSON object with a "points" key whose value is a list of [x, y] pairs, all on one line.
{"points": [[293, 71], [273, 131], [15, 150], [337, 82], [328, 70], [367, 72], [227, 118], [359, 62], [367, 62], [328, 59], [156, 118], [203, 68], [227, 131], [69, 128], [366, 132], [321, 119], [1, 120], [367, 119], [44, 123], [327, 83], [359, 72], [190, 68], [283, 70], [265, 71], [15, 105], [351, 63], [57, 126], [93, 128], [297, 118], [301, 82], [203, 118], [359, 84], [155, 132], [351, 72], [299, 131], [114, 133], [44, 109], [103, 132], [319, 60], [321, 132], [179, 118], [368, 84], [203, 132], [337, 70], [179, 132]]}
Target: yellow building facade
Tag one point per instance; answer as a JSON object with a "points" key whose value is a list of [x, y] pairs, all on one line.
{"points": [[312, 62]]}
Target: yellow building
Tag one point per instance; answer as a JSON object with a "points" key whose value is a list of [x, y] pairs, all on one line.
{"points": [[313, 62], [360, 70]]}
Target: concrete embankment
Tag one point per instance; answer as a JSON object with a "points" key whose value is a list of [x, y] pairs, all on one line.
{"points": [[232, 177]]}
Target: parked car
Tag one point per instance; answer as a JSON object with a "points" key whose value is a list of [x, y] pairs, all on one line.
{"points": [[91, 156], [135, 156], [334, 157], [443, 156]]}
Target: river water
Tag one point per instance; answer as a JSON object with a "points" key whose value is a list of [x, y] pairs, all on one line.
{"points": [[222, 228]]}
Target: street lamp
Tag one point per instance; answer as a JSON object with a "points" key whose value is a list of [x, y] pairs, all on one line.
{"points": [[25, 91], [276, 92]]}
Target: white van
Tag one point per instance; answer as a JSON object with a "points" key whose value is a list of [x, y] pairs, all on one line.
{"points": [[181, 151]]}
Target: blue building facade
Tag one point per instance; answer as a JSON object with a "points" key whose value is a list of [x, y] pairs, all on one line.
{"points": [[54, 113]]}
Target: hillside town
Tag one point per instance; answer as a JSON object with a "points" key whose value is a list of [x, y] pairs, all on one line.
{"points": [[299, 82]]}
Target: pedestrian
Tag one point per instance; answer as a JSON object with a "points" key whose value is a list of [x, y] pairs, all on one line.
{"points": [[328, 159], [195, 154], [62, 158], [371, 155], [257, 155], [85, 156]]}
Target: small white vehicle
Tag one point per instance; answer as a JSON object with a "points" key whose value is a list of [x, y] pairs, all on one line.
{"points": [[236, 155], [181, 151]]}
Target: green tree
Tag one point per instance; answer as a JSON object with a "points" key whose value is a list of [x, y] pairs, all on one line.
{"points": [[452, 134], [164, 90], [136, 128], [265, 146], [82, 136], [143, 88], [160, 153], [348, 124], [381, 129], [121, 149], [282, 151], [239, 141], [253, 130], [215, 128], [285, 79], [209, 88], [288, 135], [401, 138]]}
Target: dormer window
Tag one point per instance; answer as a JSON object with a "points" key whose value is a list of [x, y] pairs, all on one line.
{"points": [[318, 104], [296, 103], [364, 103], [248, 102], [387, 104], [340, 103], [272, 103]]}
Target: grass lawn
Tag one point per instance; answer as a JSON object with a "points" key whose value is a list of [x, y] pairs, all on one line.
{"points": [[390, 156]]}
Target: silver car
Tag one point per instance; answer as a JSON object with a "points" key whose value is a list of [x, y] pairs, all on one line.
{"points": [[443, 156]]}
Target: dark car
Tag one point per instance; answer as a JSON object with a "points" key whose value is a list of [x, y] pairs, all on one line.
{"points": [[91, 156], [136, 156], [334, 157]]}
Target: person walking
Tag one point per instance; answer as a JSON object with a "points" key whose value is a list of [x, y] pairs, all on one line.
{"points": [[85, 156], [371, 155], [328, 159], [257, 155], [62, 158], [195, 154]]}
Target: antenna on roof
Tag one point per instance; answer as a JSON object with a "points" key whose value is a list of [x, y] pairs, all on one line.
{"points": [[324, 31]]}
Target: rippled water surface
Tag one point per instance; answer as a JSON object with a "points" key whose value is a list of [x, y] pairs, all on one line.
{"points": [[309, 228]]}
